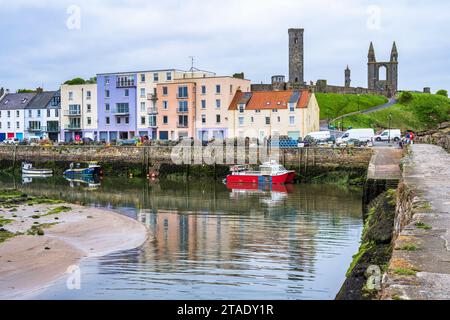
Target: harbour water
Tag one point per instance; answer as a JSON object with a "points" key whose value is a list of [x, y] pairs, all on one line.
{"points": [[207, 241]]}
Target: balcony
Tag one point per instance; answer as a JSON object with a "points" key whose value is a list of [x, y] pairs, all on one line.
{"points": [[52, 129], [182, 96], [125, 83], [34, 129], [123, 111], [182, 110], [72, 113], [152, 96], [182, 125], [152, 110], [72, 126]]}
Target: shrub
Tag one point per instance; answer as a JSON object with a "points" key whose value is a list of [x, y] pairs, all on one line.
{"points": [[442, 93], [405, 97]]}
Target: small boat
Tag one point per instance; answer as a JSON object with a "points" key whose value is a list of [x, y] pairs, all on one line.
{"points": [[83, 169], [269, 173], [27, 169], [91, 182]]}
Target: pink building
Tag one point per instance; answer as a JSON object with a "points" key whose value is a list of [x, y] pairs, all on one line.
{"points": [[196, 107]]}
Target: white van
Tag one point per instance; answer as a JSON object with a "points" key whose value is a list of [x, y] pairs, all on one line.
{"points": [[364, 135], [320, 135], [395, 135]]}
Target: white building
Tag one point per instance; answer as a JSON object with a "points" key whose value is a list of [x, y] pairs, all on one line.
{"points": [[42, 116], [12, 115]]}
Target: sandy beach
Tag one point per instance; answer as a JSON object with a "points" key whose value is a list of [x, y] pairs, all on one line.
{"points": [[49, 238]]}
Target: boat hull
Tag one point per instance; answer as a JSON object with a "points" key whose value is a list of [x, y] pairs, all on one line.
{"points": [[82, 172], [37, 172], [283, 178]]}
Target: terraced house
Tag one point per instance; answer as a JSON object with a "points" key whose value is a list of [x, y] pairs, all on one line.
{"points": [[261, 114], [42, 116], [12, 111], [127, 102], [78, 111], [196, 107]]}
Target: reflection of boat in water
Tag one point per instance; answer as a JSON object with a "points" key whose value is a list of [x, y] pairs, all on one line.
{"points": [[86, 169], [27, 169], [269, 173], [269, 194], [91, 182]]}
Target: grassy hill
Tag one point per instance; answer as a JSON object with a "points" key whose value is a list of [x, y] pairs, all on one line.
{"points": [[421, 112], [333, 105]]}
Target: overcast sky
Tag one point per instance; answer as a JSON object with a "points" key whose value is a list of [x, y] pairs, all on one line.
{"points": [[43, 42]]}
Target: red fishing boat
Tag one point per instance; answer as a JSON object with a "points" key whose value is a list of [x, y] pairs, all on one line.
{"points": [[269, 173]]}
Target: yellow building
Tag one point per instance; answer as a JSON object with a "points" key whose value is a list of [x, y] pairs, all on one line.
{"points": [[264, 113]]}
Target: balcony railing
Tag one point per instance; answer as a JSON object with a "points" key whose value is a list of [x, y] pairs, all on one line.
{"points": [[34, 129], [72, 126], [121, 111], [125, 84], [182, 110], [152, 110], [182, 96], [182, 125], [52, 129], [72, 113]]}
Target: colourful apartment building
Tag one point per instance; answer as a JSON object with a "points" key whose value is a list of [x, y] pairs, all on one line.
{"points": [[78, 111], [264, 113], [196, 107]]}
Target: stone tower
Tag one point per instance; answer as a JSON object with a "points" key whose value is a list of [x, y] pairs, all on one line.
{"points": [[347, 77], [375, 69], [296, 56]]}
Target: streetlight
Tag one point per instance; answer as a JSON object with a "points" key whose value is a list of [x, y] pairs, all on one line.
{"points": [[389, 134]]}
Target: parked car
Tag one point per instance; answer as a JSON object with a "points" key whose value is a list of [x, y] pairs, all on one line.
{"points": [[11, 141], [393, 134], [364, 135]]}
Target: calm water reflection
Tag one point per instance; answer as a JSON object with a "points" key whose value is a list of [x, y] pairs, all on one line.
{"points": [[210, 242]]}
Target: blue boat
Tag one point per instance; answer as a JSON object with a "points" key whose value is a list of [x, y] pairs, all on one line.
{"points": [[86, 169]]}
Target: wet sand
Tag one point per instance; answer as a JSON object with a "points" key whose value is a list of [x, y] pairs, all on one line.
{"points": [[30, 262]]}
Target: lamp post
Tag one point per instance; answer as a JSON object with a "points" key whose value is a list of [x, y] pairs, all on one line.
{"points": [[358, 102], [389, 132]]}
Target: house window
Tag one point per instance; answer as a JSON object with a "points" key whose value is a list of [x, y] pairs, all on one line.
{"points": [[267, 120], [127, 120], [107, 120], [88, 108], [9, 125], [169, 76], [9, 114], [142, 106], [291, 120], [165, 120], [89, 121], [118, 120], [107, 106], [274, 110], [106, 93], [183, 121], [127, 93], [251, 119], [203, 89], [106, 80], [18, 113], [165, 105], [241, 108], [142, 77], [218, 103], [241, 121], [125, 81], [18, 125], [183, 92], [218, 89], [279, 119], [165, 91], [155, 77], [56, 113], [203, 118], [182, 106], [88, 95], [48, 113], [152, 121], [143, 120], [217, 118], [291, 107], [203, 104], [70, 95], [142, 92], [257, 111], [30, 113]]}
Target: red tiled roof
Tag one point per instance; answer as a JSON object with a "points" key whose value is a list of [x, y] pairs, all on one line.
{"points": [[262, 100]]}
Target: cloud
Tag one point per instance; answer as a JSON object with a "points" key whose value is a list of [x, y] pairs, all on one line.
{"points": [[224, 36]]}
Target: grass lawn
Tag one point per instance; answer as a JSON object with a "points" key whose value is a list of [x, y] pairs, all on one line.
{"points": [[333, 105], [422, 112]]}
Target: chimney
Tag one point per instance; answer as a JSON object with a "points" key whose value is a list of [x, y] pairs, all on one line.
{"points": [[39, 90]]}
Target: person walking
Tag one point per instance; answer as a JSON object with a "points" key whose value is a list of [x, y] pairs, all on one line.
{"points": [[407, 137], [411, 137]]}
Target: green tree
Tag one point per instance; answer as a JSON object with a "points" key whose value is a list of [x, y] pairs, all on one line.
{"points": [[443, 93], [405, 97], [75, 81], [25, 91], [239, 75]]}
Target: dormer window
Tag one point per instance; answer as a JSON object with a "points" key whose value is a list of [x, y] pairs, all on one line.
{"points": [[268, 103], [279, 103], [6, 101], [24, 100]]}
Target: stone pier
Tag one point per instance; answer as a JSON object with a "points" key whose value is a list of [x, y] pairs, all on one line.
{"points": [[420, 263]]}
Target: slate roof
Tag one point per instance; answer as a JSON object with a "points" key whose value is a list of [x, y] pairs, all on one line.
{"points": [[263, 100], [41, 100], [13, 101]]}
